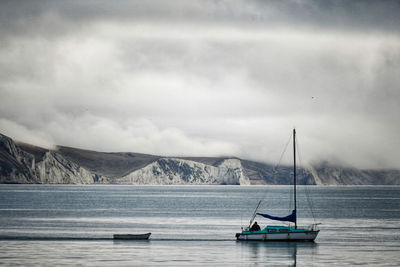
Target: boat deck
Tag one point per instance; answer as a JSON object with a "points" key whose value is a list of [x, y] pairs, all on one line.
{"points": [[278, 229]]}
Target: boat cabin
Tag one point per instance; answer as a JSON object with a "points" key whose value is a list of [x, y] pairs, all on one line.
{"points": [[279, 229]]}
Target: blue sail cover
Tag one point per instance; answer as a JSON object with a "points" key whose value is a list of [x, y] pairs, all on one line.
{"points": [[289, 218]]}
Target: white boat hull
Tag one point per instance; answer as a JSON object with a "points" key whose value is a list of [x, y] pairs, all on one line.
{"points": [[299, 236]]}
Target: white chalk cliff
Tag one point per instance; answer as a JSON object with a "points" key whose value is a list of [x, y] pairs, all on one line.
{"points": [[167, 171], [55, 169]]}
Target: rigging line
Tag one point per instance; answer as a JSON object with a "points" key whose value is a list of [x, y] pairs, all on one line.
{"points": [[283, 153], [254, 214], [309, 202], [274, 172], [291, 204]]}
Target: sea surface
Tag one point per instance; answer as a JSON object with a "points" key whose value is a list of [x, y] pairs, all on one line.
{"points": [[72, 225]]}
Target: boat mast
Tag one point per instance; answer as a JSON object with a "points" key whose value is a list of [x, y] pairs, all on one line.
{"points": [[294, 173]]}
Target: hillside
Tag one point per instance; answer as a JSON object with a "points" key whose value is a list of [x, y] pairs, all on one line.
{"points": [[25, 163]]}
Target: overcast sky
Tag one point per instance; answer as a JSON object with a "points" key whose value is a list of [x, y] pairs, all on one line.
{"points": [[205, 78]]}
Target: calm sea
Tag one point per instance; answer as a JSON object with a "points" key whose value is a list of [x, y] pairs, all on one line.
{"points": [[55, 225]]}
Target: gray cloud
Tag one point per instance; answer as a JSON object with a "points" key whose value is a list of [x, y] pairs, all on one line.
{"points": [[204, 78], [49, 17]]}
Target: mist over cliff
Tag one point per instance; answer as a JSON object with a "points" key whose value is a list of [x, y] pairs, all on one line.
{"points": [[205, 78], [25, 163]]}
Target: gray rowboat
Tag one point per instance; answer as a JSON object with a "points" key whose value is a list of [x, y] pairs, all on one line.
{"points": [[132, 237]]}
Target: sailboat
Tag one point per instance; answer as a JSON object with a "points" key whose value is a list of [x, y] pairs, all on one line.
{"points": [[279, 232]]}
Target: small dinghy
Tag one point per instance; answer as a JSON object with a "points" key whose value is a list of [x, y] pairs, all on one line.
{"points": [[132, 237]]}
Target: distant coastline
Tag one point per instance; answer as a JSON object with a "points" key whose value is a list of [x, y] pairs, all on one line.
{"points": [[22, 163]]}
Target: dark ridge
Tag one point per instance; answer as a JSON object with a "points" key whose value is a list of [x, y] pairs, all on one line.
{"points": [[37, 152], [107, 164], [259, 172], [8, 165], [214, 161]]}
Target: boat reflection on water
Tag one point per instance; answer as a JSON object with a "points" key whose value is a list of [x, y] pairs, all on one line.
{"points": [[276, 253]]}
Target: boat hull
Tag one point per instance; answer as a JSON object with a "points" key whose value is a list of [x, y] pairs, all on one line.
{"points": [[295, 236], [132, 237]]}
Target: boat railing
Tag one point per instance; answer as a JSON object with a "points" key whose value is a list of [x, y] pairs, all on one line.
{"points": [[313, 227]]}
